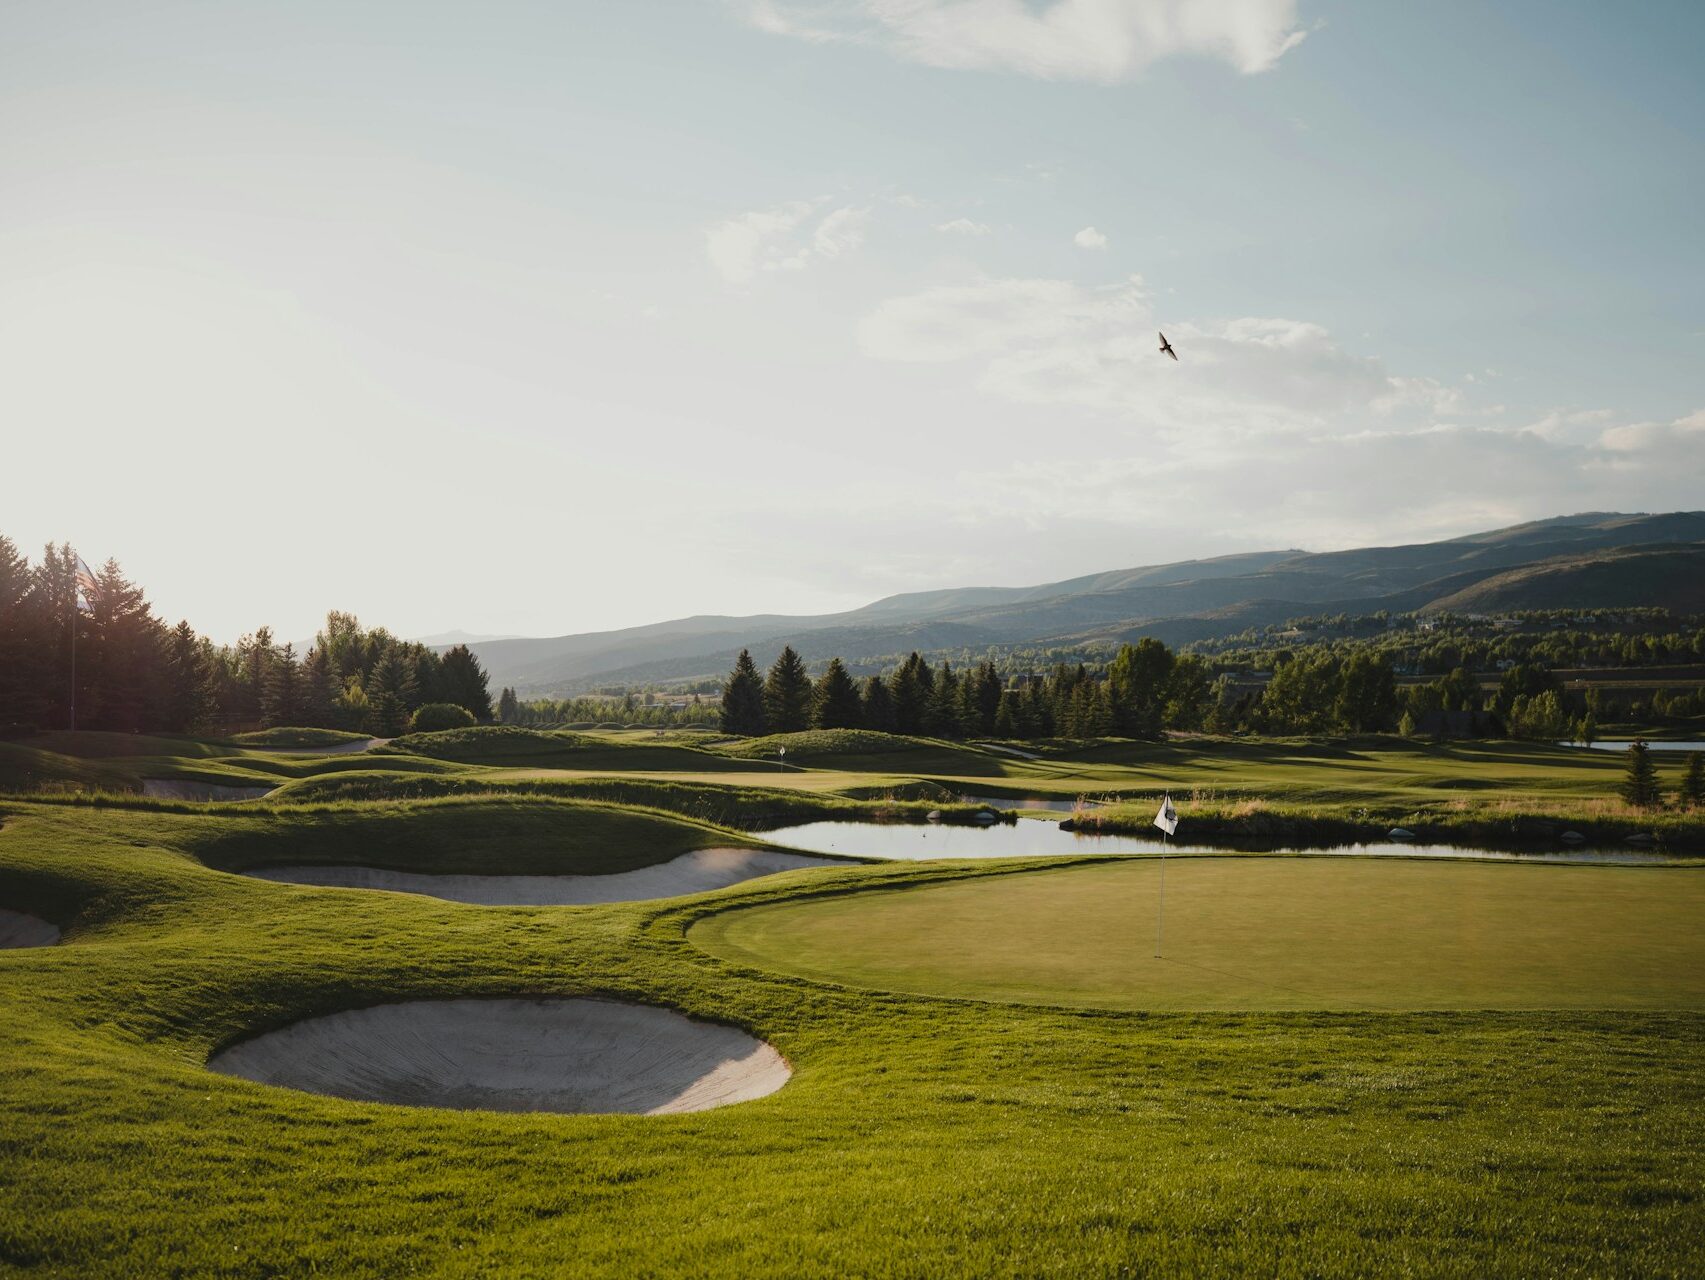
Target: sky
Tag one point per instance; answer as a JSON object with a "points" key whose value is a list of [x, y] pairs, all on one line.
{"points": [[524, 318]]}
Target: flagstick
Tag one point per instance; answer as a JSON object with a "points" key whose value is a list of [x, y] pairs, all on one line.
{"points": [[1160, 918]]}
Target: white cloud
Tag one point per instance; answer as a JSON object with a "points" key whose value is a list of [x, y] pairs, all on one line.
{"points": [[782, 239], [1100, 40], [964, 227], [840, 232], [1090, 238]]}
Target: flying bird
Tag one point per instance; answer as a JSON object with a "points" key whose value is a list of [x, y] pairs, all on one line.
{"points": [[1166, 348]]}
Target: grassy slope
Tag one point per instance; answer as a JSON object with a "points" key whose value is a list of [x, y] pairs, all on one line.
{"points": [[1263, 933], [511, 747], [918, 1136]]}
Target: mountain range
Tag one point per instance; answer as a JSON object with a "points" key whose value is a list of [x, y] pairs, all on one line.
{"points": [[1591, 560]]}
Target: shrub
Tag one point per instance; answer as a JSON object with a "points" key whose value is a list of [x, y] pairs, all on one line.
{"points": [[437, 716]]}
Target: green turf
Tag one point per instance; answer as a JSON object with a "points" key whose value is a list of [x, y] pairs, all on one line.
{"points": [[1257, 933], [918, 1137]]}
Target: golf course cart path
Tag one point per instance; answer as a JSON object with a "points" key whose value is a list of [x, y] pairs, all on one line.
{"points": [[697, 872], [20, 930], [565, 1055]]}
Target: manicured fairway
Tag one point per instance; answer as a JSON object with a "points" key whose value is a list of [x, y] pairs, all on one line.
{"points": [[1256, 933]]}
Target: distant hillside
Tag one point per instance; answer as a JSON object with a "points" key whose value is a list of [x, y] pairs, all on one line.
{"points": [[1582, 560], [1670, 578]]}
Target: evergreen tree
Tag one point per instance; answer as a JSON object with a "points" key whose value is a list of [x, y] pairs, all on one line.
{"points": [[319, 690], [787, 694], [1137, 688], [190, 694], [1367, 694], [910, 689], [941, 708], [392, 693], [878, 708], [462, 680], [985, 689], [1693, 781], [743, 699], [281, 698], [835, 704], [1640, 782], [508, 707]]}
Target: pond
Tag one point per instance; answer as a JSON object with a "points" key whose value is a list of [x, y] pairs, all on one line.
{"points": [[1042, 839], [1614, 744]]}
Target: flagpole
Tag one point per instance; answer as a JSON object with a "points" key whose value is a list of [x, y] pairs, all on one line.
{"points": [[1160, 917]]}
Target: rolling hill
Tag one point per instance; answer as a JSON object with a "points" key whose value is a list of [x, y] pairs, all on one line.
{"points": [[1595, 559]]}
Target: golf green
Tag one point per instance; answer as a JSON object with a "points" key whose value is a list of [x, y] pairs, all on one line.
{"points": [[1255, 933]]}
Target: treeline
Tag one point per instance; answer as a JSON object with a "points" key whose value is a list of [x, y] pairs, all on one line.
{"points": [[627, 710], [1437, 646], [1145, 690], [135, 673]]}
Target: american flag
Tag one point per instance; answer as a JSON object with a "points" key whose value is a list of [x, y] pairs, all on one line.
{"points": [[86, 586]]}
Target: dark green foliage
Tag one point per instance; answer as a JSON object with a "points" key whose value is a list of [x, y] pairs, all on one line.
{"points": [[909, 692], [1640, 782], [461, 680], [836, 702], [787, 694], [507, 707], [878, 706], [1137, 688], [436, 716], [392, 693], [1367, 694], [743, 699], [1692, 792], [281, 691]]}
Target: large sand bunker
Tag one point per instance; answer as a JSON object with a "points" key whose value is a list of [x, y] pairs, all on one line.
{"points": [[178, 789], [571, 1055], [20, 930], [696, 872]]}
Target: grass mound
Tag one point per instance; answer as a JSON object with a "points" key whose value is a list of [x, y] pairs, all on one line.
{"points": [[865, 750], [472, 836], [285, 736], [513, 747]]}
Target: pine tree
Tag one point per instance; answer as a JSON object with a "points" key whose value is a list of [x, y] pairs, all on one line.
{"points": [[391, 691], [787, 694], [508, 706], [1137, 687], [189, 697], [1640, 783], [986, 687], [878, 706], [835, 704], [743, 699], [1693, 780], [319, 690], [281, 696], [941, 709], [462, 680], [910, 688]]}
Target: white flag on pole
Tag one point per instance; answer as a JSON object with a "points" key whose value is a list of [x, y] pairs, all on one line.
{"points": [[1167, 818]]}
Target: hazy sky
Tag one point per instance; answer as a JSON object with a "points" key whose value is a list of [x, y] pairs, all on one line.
{"points": [[542, 318]]}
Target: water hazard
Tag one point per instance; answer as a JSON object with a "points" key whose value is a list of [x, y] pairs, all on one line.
{"points": [[1039, 838]]}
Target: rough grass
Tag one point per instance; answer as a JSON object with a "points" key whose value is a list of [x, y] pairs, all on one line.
{"points": [[286, 736], [918, 1137], [1257, 933]]}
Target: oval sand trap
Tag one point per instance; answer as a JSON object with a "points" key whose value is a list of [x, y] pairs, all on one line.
{"points": [[200, 792], [568, 1055], [20, 930], [695, 872]]}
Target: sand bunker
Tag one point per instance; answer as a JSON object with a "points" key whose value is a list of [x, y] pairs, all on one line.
{"points": [[571, 1055], [20, 930], [696, 872], [175, 789]]}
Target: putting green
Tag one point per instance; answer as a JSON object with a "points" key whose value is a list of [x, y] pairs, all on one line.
{"points": [[1256, 933]]}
